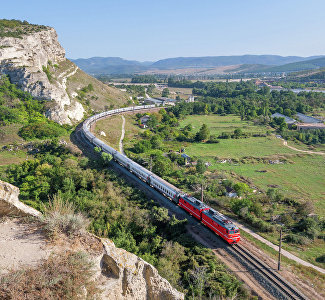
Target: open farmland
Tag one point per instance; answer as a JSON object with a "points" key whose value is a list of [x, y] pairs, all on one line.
{"points": [[301, 176]]}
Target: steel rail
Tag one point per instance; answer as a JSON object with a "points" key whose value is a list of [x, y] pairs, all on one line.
{"points": [[287, 289], [281, 283]]}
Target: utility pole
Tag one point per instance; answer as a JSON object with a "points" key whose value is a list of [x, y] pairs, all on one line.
{"points": [[202, 192], [280, 244], [150, 163]]}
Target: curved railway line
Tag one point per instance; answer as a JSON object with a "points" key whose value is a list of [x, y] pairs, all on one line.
{"points": [[273, 283], [282, 284]]}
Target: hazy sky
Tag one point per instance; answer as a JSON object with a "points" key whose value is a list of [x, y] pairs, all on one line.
{"points": [[151, 30]]}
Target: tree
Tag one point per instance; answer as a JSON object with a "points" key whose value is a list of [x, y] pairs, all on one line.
{"points": [[156, 142], [241, 188], [238, 133], [162, 166], [165, 92], [200, 166], [106, 158], [152, 122], [203, 133]]}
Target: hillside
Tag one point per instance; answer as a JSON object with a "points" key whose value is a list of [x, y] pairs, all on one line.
{"points": [[214, 61], [239, 63], [35, 61], [110, 65], [310, 64]]}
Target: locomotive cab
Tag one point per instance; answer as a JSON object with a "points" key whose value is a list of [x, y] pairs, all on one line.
{"points": [[233, 235]]}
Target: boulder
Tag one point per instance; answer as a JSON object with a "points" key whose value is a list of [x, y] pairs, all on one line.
{"points": [[10, 204], [124, 276]]}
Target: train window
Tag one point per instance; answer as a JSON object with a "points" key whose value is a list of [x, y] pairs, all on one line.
{"points": [[231, 232], [236, 231]]}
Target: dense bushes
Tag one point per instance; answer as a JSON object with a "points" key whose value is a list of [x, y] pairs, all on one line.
{"points": [[20, 107], [17, 106], [41, 130], [119, 212]]}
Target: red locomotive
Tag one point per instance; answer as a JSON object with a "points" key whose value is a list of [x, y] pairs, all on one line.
{"points": [[221, 225], [211, 218]]}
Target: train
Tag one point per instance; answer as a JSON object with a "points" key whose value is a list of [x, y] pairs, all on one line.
{"points": [[211, 218]]}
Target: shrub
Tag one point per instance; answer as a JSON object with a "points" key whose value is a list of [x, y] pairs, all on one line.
{"points": [[297, 239], [41, 130], [60, 217], [321, 259], [61, 276]]}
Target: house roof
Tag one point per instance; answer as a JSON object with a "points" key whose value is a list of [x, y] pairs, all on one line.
{"points": [[307, 119], [288, 120]]}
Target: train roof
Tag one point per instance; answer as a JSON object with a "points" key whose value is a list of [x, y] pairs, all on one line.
{"points": [[166, 183], [195, 202], [220, 218]]}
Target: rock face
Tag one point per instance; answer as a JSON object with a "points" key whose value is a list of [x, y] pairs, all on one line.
{"points": [[120, 275], [10, 204], [124, 276], [30, 61]]}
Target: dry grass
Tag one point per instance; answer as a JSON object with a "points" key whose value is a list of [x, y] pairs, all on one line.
{"points": [[61, 276], [60, 217]]}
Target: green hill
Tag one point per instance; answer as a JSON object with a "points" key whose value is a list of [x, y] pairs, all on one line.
{"points": [[299, 66]]}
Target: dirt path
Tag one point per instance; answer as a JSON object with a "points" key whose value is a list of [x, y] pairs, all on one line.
{"points": [[122, 136], [20, 244], [285, 143]]}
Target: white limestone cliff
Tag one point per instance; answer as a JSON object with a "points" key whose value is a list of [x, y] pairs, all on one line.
{"points": [[24, 59]]}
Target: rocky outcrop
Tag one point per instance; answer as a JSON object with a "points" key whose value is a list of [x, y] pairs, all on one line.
{"points": [[10, 204], [120, 275], [31, 61], [125, 276]]}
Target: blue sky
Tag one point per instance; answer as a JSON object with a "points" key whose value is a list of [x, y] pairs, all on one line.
{"points": [[156, 29]]}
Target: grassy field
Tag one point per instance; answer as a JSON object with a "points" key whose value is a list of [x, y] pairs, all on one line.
{"points": [[9, 134], [12, 157], [238, 148], [301, 177], [112, 127], [219, 124]]}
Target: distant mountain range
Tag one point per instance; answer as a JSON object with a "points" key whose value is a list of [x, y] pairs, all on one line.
{"points": [[110, 65], [242, 63]]}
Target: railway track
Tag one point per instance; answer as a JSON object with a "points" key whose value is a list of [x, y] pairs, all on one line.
{"points": [[273, 282], [286, 288]]}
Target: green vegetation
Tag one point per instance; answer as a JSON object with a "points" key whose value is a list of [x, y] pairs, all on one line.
{"points": [[119, 212], [144, 79], [183, 83], [16, 28], [18, 107], [242, 156], [135, 90], [46, 70], [165, 92]]}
